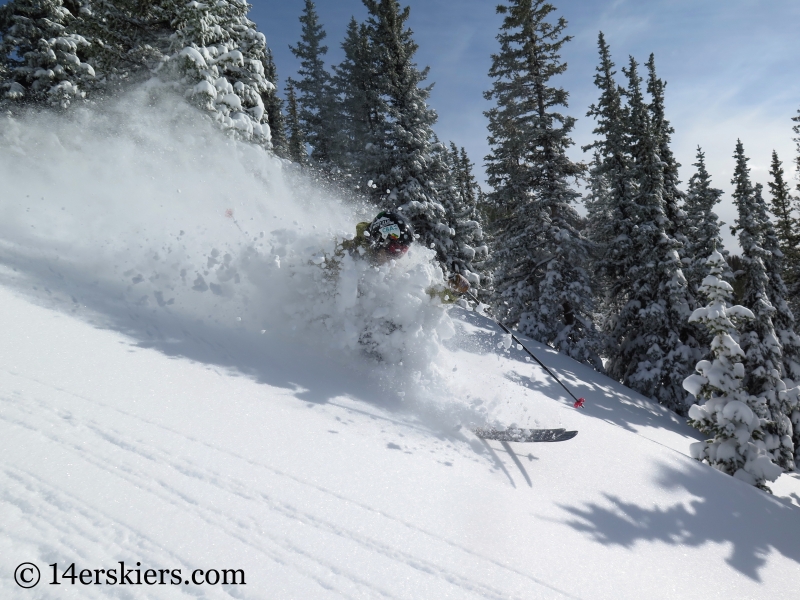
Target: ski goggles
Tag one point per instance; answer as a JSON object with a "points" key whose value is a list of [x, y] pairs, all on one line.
{"points": [[396, 248]]}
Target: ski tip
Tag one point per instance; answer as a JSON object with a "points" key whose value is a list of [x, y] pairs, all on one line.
{"points": [[567, 435], [579, 402]]}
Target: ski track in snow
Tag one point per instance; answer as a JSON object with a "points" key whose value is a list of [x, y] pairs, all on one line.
{"points": [[134, 452], [281, 550]]}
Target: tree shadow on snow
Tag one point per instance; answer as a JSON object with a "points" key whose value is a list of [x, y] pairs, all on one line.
{"points": [[724, 511], [606, 399], [309, 373]]}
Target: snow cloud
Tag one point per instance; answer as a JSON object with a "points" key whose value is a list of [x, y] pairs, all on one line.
{"points": [[144, 214]]}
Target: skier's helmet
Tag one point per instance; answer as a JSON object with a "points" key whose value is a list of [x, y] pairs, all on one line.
{"points": [[391, 233]]}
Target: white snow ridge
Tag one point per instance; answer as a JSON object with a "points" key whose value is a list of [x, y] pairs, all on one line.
{"points": [[195, 381]]}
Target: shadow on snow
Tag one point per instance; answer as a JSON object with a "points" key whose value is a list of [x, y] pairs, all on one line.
{"points": [[724, 511], [310, 374], [606, 399]]}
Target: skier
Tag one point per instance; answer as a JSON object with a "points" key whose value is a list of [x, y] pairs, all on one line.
{"points": [[388, 237]]}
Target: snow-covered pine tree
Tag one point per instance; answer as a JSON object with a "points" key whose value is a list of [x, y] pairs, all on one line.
{"points": [[273, 105], [217, 58], [784, 324], [673, 196], [778, 292], [130, 38], [470, 190], [540, 258], [296, 143], [649, 353], [315, 97], [45, 59], [701, 224], [362, 110], [733, 418], [405, 169], [759, 341], [612, 188], [796, 129], [596, 202], [459, 199], [4, 78], [782, 208], [5, 25], [702, 237], [795, 283], [473, 197], [787, 229]]}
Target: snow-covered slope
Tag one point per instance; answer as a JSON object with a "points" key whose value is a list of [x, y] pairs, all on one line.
{"points": [[149, 416]]}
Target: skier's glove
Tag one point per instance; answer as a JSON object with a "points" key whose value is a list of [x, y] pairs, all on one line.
{"points": [[459, 284]]}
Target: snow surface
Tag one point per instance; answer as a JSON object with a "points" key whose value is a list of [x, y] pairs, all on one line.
{"points": [[165, 399]]}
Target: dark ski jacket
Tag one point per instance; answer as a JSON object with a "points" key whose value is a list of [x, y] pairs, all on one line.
{"points": [[360, 247]]}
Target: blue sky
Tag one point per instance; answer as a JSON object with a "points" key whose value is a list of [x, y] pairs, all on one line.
{"points": [[731, 68]]}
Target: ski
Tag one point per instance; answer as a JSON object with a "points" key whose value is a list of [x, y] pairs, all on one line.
{"points": [[524, 435]]}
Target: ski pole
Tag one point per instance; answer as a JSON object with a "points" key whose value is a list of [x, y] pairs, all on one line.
{"points": [[579, 402]]}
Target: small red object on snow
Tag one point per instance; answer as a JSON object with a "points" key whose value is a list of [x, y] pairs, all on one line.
{"points": [[579, 403], [229, 213]]}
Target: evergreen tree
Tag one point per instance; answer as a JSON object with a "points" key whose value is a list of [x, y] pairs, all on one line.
{"points": [[647, 302], [795, 270], [459, 198], [673, 197], [782, 200], [540, 272], [778, 292], [404, 167], [759, 341], [597, 218], [361, 109], [130, 38], [787, 229], [473, 197], [273, 104], [218, 58], [5, 83], [702, 226], [313, 88], [470, 190], [729, 414], [296, 143], [612, 188], [649, 353], [786, 440], [796, 129], [45, 59]]}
